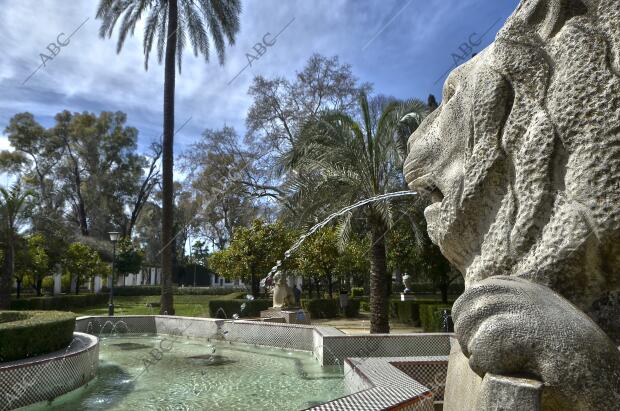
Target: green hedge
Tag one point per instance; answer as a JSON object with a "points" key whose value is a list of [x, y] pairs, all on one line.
{"points": [[430, 316], [357, 292], [364, 305], [146, 290], [321, 308], [353, 308], [244, 308], [59, 302], [31, 333], [407, 312]]}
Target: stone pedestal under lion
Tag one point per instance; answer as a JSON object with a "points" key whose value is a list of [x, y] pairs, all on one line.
{"points": [[523, 160]]}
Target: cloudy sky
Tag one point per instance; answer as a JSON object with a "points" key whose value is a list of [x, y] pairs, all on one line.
{"points": [[403, 47]]}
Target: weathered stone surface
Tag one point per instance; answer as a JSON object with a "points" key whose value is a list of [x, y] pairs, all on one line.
{"points": [[523, 157], [509, 394]]}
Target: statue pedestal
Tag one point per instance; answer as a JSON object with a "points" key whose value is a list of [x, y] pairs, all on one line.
{"points": [[290, 315], [407, 297]]}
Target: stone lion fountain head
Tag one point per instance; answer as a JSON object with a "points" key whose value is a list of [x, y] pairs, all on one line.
{"points": [[522, 158]]}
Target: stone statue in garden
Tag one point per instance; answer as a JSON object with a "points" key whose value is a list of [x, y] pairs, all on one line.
{"points": [[283, 296], [407, 283], [522, 160]]}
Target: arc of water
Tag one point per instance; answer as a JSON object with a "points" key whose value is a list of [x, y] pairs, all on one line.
{"points": [[332, 216]]}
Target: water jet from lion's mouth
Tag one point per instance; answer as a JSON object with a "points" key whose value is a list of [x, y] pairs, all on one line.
{"points": [[339, 213]]}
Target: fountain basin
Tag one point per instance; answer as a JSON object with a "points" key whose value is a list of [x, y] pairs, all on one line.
{"points": [[174, 372], [45, 377]]}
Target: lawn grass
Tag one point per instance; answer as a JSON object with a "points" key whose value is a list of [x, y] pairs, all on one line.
{"points": [[184, 305]]}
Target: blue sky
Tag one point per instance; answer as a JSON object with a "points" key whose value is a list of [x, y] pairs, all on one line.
{"points": [[401, 46]]}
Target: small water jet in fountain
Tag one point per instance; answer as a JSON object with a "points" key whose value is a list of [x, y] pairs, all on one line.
{"points": [[115, 328]]}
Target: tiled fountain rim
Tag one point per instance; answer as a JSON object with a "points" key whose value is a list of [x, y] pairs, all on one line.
{"points": [[388, 387], [324, 330], [44, 378], [86, 342]]}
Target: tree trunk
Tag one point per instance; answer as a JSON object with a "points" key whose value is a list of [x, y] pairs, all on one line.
{"points": [[318, 287], [19, 288], [309, 288], [255, 284], [379, 319], [6, 280], [77, 284], [39, 286], [330, 285], [167, 303]]}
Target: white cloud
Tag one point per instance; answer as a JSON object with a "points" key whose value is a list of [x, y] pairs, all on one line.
{"points": [[87, 74]]}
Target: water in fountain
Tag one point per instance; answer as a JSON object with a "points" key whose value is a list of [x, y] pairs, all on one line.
{"points": [[337, 214], [115, 327]]}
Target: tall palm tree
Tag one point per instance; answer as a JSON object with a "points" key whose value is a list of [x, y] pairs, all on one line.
{"points": [[172, 22], [12, 205], [339, 160]]}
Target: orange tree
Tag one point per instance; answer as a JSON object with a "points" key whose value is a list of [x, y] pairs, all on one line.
{"points": [[253, 251]]}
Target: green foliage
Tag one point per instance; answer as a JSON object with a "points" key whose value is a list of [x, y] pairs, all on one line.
{"points": [[85, 171], [128, 258], [48, 283], [243, 308], [83, 262], [31, 333], [145, 290], [407, 312], [12, 205], [59, 302], [224, 308], [253, 251], [321, 308], [32, 260], [357, 292], [430, 316], [352, 310], [365, 306]]}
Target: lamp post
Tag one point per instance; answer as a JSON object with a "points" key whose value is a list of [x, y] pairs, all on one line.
{"points": [[114, 238]]}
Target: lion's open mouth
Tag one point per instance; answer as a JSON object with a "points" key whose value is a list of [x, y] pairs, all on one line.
{"points": [[426, 185]]}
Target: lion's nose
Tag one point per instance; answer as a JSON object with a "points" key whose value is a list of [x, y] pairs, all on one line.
{"points": [[421, 156]]}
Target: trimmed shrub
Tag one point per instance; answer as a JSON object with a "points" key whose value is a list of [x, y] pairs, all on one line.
{"points": [[147, 290], [357, 292], [244, 308], [407, 312], [321, 308], [224, 308], [59, 302], [30, 333], [364, 306], [352, 310], [430, 316], [253, 308], [208, 291]]}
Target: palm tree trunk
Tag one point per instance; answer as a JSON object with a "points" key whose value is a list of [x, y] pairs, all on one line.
{"points": [[379, 320], [167, 303], [6, 279]]}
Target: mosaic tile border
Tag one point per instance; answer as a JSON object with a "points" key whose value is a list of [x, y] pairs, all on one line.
{"points": [[46, 377], [377, 385]]}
